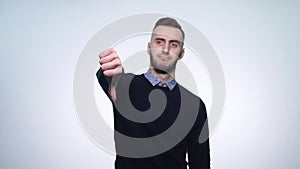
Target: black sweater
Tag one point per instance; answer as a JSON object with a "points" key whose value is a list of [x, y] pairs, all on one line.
{"points": [[174, 156]]}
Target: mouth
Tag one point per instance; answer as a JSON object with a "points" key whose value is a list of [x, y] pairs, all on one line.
{"points": [[163, 57]]}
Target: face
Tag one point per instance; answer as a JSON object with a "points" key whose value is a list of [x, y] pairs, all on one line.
{"points": [[165, 48]]}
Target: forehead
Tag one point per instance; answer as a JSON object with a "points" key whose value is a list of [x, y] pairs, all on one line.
{"points": [[168, 32]]}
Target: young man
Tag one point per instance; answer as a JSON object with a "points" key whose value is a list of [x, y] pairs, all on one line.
{"points": [[130, 96]]}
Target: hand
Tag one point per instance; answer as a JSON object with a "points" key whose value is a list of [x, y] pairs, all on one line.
{"points": [[111, 66], [110, 63]]}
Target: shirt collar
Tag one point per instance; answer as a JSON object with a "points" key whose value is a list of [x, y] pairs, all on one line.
{"points": [[155, 81]]}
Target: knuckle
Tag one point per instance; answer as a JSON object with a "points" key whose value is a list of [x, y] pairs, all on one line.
{"points": [[101, 61], [102, 54], [114, 55], [117, 61]]}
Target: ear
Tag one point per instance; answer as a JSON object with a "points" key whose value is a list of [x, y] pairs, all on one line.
{"points": [[181, 54], [148, 48]]}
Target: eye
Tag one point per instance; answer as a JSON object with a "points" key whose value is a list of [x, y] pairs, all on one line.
{"points": [[174, 45], [159, 42]]}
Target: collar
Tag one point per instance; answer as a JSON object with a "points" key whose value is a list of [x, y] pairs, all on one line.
{"points": [[155, 81]]}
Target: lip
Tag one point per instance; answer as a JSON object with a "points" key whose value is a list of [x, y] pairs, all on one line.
{"points": [[164, 57]]}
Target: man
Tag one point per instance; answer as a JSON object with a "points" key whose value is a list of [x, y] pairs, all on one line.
{"points": [[165, 49]]}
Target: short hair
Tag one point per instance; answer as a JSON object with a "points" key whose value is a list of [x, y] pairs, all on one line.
{"points": [[169, 22]]}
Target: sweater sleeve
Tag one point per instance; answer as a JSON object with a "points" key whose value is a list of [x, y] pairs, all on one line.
{"points": [[199, 153], [124, 79], [102, 81]]}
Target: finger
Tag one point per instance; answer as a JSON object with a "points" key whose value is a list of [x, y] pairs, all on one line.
{"points": [[111, 72], [109, 58], [106, 52], [111, 65]]}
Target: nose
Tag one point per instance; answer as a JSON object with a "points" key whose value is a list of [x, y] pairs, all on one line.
{"points": [[166, 48]]}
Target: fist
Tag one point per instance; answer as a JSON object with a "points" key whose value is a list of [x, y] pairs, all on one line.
{"points": [[110, 63]]}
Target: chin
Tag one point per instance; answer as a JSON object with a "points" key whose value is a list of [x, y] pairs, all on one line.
{"points": [[162, 67]]}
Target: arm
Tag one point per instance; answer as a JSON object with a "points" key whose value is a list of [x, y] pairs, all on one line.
{"points": [[109, 72], [198, 153], [103, 81]]}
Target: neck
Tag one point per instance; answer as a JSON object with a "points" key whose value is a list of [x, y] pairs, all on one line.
{"points": [[163, 76]]}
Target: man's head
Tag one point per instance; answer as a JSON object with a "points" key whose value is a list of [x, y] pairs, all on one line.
{"points": [[166, 45], [171, 23]]}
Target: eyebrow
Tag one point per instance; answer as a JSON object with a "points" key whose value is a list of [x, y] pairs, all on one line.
{"points": [[162, 39]]}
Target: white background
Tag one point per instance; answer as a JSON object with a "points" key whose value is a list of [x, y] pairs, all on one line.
{"points": [[257, 43]]}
